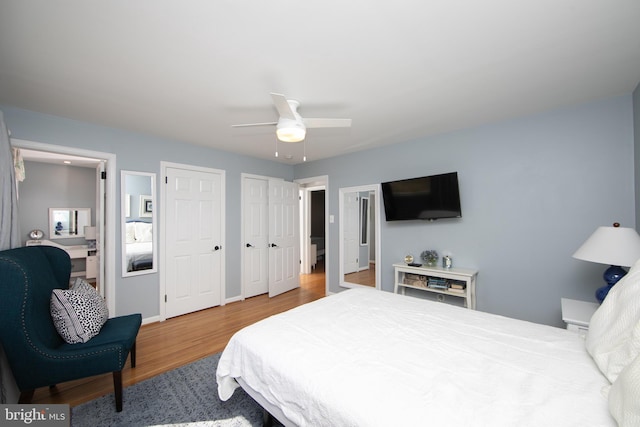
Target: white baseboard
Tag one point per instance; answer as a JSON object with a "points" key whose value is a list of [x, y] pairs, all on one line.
{"points": [[234, 299], [152, 319]]}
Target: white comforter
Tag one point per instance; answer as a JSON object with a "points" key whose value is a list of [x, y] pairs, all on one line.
{"points": [[371, 358], [138, 252]]}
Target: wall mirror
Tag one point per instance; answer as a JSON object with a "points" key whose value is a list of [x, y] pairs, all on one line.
{"points": [[66, 223], [359, 236], [138, 223]]}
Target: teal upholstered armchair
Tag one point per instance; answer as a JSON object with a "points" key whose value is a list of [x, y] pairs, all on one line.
{"points": [[37, 354]]}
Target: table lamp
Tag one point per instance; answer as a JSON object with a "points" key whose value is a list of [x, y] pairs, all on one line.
{"points": [[617, 246]]}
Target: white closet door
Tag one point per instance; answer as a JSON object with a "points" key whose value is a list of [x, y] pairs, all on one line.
{"points": [[255, 215], [284, 241], [194, 255]]}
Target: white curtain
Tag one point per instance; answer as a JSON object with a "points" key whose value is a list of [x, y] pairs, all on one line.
{"points": [[9, 230]]}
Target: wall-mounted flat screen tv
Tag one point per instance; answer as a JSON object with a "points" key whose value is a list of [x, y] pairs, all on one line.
{"points": [[429, 197]]}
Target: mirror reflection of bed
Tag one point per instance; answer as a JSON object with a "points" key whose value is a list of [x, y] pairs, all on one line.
{"points": [[138, 223], [139, 246]]}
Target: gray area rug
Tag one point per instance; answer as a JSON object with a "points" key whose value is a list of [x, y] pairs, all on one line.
{"points": [[186, 396]]}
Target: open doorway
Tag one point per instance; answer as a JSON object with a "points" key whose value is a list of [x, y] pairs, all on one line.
{"points": [[102, 165], [314, 238]]}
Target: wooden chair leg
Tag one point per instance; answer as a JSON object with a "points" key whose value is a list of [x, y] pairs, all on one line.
{"points": [[26, 396], [132, 352], [117, 389]]}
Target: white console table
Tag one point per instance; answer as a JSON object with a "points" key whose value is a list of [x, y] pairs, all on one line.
{"points": [[460, 275], [75, 252]]}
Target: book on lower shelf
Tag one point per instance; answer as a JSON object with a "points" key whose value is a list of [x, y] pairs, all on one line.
{"points": [[457, 291], [457, 284], [437, 283]]}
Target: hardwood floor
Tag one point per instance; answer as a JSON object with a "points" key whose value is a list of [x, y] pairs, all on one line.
{"points": [[163, 346], [364, 277]]}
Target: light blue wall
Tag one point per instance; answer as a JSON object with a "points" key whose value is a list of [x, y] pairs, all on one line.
{"points": [[54, 186], [138, 152], [532, 190]]}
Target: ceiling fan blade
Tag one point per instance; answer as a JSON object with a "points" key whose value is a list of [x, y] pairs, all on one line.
{"points": [[283, 107], [326, 123], [254, 124]]}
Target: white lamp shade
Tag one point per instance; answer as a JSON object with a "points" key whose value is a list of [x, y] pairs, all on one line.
{"points": [[89, 233], [611, 245]]}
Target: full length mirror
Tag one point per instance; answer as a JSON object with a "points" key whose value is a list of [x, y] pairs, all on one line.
{"points": [[66, 223], [139, 254], [359, 236]]}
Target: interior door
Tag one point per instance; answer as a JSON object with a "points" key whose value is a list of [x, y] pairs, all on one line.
{"points": [[101, 195], [284, 241], [255, 223], [351, 232], [193, 239]]}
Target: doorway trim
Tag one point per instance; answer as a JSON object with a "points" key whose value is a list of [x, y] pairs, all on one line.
{"points": [[109, 239], [307, 185]]}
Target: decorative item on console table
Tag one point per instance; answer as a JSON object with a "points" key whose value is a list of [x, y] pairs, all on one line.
{"points": [[447, 262], [430, 257], [415, 280]]}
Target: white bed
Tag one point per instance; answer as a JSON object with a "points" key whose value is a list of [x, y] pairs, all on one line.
{"points": [[139, 256], [369, 358], [139, 245]]}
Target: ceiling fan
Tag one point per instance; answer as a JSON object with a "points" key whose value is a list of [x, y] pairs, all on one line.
{"points": [[291, 127]]}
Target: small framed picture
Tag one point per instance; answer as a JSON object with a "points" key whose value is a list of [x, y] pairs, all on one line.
{"points": [[146, 206]]}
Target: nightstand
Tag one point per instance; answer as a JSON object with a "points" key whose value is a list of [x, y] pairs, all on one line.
{"points": [[577, 314]]}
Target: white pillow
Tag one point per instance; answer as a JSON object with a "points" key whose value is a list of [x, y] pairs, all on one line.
{"points": [[78, 313], [130, 232], [144, 232], [624, 396], [613, 339]]}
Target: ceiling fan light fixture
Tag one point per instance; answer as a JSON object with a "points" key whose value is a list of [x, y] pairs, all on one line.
{"points": [[291, 133]]}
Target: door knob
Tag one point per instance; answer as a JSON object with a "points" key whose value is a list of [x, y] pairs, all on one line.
{"points": [[249, 245], [217, 248], [273, 245]]}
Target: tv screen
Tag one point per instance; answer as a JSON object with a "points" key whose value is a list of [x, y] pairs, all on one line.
{"points": [[428, 197]]}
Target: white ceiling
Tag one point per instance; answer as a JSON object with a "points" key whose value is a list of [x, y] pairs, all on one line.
{"points": [[188, 70]]}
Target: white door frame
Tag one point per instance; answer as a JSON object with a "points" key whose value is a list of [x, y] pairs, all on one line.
{"points": [[163, 252], [108, 259], [307, 185]]}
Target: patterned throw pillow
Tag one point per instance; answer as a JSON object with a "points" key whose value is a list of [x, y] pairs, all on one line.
{"points": [[78, 313]]}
